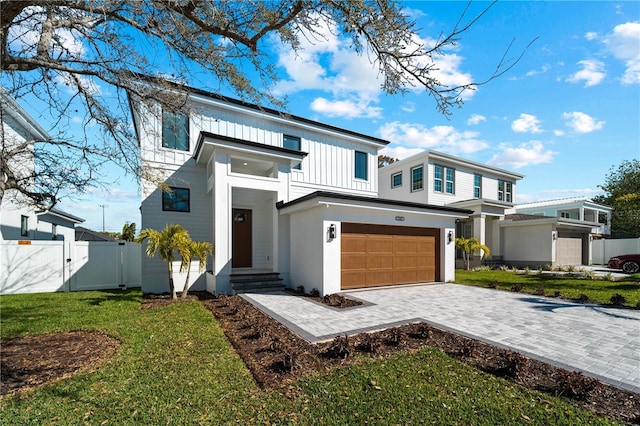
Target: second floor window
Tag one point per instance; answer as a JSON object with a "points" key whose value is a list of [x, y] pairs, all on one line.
{"points": [[292, 142], [361, 171], [417, 178], [175, 130], [396, 180], [24, 226], [444, 179], [477, 186], [505, 191]]}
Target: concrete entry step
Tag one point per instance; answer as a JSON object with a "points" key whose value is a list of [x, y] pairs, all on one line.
{"points": [[260, 282]]}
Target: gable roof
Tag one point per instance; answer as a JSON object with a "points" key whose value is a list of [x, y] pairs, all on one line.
{"points": [[28, 123], [85, 234]]}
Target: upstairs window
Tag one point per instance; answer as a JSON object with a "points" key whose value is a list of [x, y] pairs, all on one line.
{"points": [[175, 130], [417, 178], [292, 142], [444, 179], [176, 200], [361, 171], [505, 191], [24, 226], [477, 186], [54, 231], [396, 180]]}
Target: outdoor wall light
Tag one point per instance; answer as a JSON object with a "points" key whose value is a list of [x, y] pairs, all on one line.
{"points": [[332, 231], [450, 237]]}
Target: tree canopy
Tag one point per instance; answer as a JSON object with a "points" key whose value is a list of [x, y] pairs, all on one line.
{"points": [[82, 58], [622, 193]]}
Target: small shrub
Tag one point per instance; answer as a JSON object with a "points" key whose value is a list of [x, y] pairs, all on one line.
{"points": [[548, 267], [394, 337], [618, 299], [512, 365], [540, 291], [284, 364], [314, 292], [557, 293], [368, 343], [589, 275], [482, 268], [338, 348], [527, 270], [419, 331], [468, 349], [299, 289], [516, 288], [504, 268], [576, 385], [609, 276], [571, 268], [539, 269], [583, 298], [493, 284]]}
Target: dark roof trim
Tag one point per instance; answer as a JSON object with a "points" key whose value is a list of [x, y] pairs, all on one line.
{"points": [[384, 201], [192, 90], [62, 214], [204, 135]]}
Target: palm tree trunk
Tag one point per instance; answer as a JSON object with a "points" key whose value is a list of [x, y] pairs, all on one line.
{"points": [[172, 288], [186, 285]]}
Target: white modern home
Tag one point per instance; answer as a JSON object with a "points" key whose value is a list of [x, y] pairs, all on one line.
{"points": [[18, 221], [284, 200], [555, 232]]}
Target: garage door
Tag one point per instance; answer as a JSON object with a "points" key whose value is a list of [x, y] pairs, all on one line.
{"points": [[569, 250], [379, 255]]}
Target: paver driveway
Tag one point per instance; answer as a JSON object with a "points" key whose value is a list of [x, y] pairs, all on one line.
{"points": [[601, 342]]}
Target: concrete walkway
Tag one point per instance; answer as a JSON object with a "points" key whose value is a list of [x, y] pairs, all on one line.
{"points": [[601, 342]]}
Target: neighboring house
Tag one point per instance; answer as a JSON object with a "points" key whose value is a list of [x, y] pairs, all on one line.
{"points": [[442, 179], [284, 196], [85, 234], [555, 232], [18, 221]]}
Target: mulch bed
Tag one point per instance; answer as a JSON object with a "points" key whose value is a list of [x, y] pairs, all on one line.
{"points": [[31, 361], [277, 357]]}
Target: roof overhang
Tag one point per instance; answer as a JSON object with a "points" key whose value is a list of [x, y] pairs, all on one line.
{"points": [[208, 142], [483, 205], [325, 198], [558, 222], [56, 213]]}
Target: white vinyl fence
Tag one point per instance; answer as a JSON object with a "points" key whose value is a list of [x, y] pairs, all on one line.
{"points": [[603, 250], [34, 266]]}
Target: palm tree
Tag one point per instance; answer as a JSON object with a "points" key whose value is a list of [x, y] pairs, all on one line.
{"points": [[199, 249], [468, 246], [172, 239]]}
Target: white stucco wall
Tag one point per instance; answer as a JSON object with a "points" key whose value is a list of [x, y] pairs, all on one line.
{"points": [[528, 245]]}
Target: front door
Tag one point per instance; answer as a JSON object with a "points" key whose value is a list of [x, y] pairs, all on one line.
{"points": [[241, 246]]}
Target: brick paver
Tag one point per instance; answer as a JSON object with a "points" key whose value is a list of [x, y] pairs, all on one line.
{"points": [[599, 341]]}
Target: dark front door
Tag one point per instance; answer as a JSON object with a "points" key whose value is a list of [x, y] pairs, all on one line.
{"points": [[241, 246]]}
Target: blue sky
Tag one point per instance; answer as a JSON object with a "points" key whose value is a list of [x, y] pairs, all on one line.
{"points": [[563, 116]]}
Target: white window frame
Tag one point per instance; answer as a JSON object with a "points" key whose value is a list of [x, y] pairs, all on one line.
{"points": [[413, 181], [393, 182]]}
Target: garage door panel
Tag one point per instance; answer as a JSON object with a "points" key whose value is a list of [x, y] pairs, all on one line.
{"points": [[377, 255], [569, 250]]}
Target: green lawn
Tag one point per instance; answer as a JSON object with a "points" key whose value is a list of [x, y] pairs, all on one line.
{"points": [[596, 290], [175, 366]]}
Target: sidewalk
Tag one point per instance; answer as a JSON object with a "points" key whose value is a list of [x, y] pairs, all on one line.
{"points": [[599, 341]]}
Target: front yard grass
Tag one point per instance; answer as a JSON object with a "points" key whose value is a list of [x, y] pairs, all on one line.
{"points": [[569, 287], [175, 366]]}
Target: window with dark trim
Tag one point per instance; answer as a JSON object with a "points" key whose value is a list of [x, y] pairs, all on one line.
{"points": [[175, 130], [361, 171], [477, 186], [417, 178], [292, 142], [450, 181], [396, 180], [176, 200], [24, 226], [54, 231]]}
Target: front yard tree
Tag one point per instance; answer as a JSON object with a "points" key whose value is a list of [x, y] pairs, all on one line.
{"points": [[622, 193], [468, 246], [168, 243], [81, 59]]}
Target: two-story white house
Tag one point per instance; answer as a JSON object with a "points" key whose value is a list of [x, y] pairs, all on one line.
{"points": [[535, 234], [18, 219], [284, 198]]}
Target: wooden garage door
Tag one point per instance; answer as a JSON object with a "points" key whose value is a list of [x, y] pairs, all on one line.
{"points": [[379, 255], [569, 250]]}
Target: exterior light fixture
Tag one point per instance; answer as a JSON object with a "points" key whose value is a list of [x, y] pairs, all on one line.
{"points": [[332, 231], [450, 237]]}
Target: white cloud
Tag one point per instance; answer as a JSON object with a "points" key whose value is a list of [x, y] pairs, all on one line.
{"points": [[526, 154], [444, 138], [542, 70], [476, 119], [592, 73], [581, 122], [624, 44], [87, 83], [408, 107], [591, 35], [527, 123], [558, 132], [345, 109]]}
